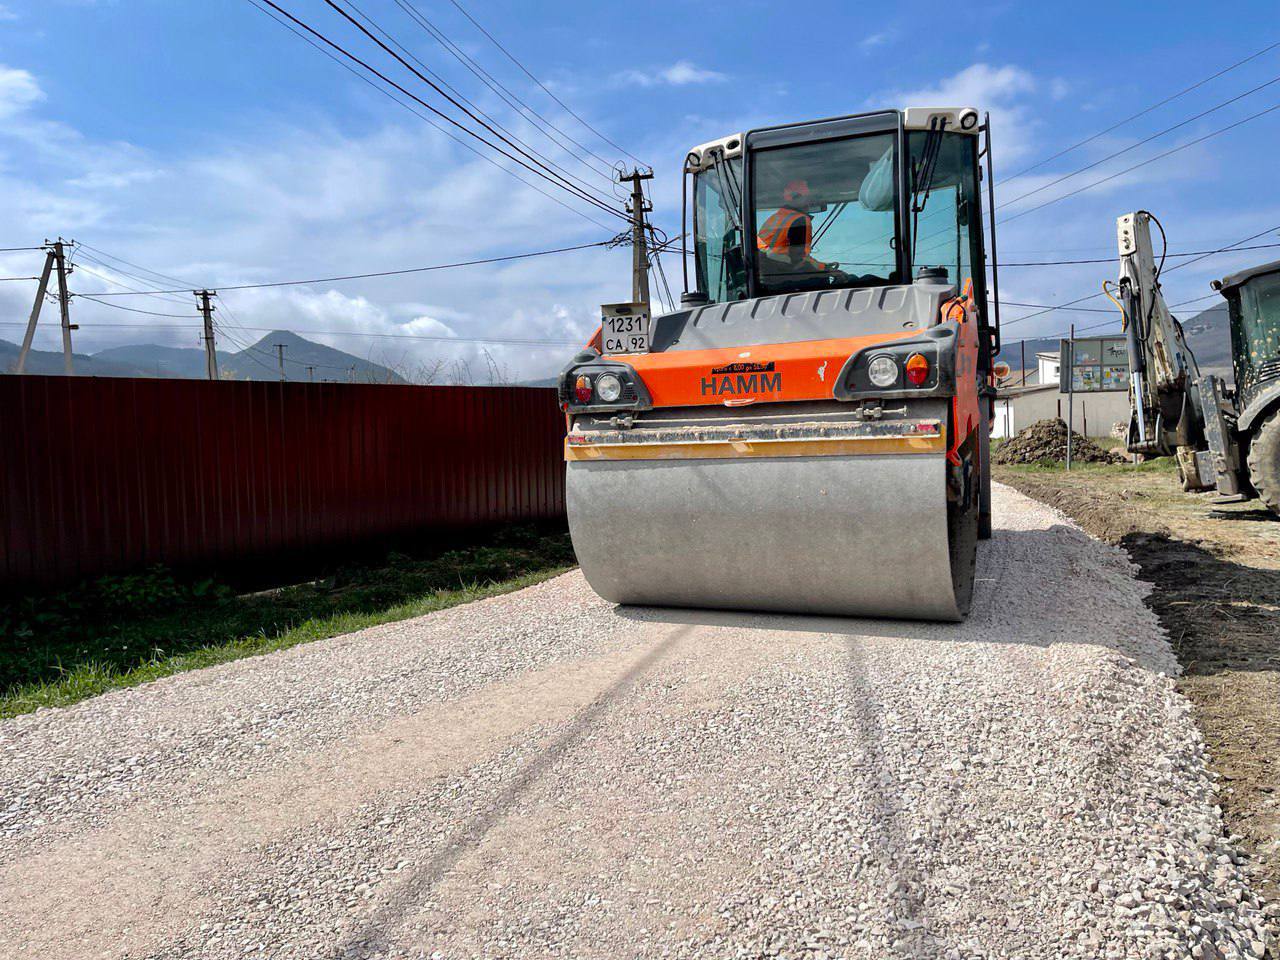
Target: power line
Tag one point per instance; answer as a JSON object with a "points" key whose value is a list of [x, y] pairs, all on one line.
{"points": [[1159, 156], [121, 306], [422, 116], [520, 341], [549, 174], [546, 160], [502, 90], [131, 291], [168, 278], [1134, 146], [1188, 253], [525, 71], [1140, 113], [1229, 248], [384, 273], [19, 278], [538, 171]]}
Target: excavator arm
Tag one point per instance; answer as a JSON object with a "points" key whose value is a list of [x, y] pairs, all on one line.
{"points": [[1176, 411]]}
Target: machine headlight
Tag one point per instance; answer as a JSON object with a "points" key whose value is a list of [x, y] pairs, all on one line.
{"points": [[608, 387], [883, 371]]}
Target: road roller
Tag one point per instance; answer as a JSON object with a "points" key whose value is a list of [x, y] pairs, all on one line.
{"points": [[809, 432]]}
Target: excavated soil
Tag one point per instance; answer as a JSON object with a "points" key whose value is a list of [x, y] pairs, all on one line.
{"points": [[1047, 440], [1215, 570]]}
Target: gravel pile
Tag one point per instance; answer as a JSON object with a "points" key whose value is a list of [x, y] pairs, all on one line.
{"points": [[1047, 440], [544, 775]]}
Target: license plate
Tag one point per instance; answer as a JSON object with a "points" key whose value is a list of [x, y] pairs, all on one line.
{"points": [[624, 328]]}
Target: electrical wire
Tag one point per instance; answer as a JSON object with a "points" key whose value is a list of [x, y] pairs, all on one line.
{"points": [[121, 306], [1159, 156], [422, 116], [538, 171], [509, 96], [546, 160], [1134, 146], [549, 174], [521, 341], [384, 273], [525, 70], [1229, 248], [1141, 113]]}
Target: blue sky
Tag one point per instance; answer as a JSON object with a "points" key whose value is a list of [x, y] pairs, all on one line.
{"points": [[201, 140]]}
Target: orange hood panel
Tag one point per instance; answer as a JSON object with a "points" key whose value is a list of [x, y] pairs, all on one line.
{"points": [[758, 373]]}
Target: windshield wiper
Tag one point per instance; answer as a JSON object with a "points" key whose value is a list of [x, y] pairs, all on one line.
{"points": [[922, 176]]}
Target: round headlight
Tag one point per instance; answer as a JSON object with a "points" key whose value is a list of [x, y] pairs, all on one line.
{"points": [[883, 371], [608, 387]]}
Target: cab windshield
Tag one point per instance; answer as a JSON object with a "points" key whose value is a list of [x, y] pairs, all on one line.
{"points": [[826, 214], [717, 245]]}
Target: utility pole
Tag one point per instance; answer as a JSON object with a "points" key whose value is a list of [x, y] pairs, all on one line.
{"points": [[35, 311], [1071, 390], [638, 207], [210, 348], [280, 354], [311, 374], [64, 304]]}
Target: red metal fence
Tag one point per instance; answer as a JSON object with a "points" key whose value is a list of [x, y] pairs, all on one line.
{"points": [[102, 475]]}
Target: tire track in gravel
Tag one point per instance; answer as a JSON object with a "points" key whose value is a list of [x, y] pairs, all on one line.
{"points": [[615, 783]]}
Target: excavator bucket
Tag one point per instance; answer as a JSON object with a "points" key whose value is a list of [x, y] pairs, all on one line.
{"points": [[806, 437]]}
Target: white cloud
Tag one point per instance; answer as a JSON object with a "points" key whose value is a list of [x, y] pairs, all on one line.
{"points": [[7, 15], [18, 91], [872, 41], [294, 201], [1004, 91], [679, 74]]}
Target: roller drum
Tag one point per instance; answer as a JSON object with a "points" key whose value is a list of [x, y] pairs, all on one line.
{"points": [[864, 535]]}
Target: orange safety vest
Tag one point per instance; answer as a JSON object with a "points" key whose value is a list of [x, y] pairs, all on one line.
{"points": [[775, 235]]}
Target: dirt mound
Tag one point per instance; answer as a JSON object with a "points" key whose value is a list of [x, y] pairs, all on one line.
{"points": [[1047, 440]]}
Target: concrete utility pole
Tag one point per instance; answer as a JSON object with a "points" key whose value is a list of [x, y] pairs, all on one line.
{"points": [[35, 311], [210, 348], [638, 207], [280, 354], [64, 304]]}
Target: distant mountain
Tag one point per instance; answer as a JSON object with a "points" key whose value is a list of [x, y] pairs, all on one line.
{"points": [[1012, 351], [303, 360], [1208, 335], [49, 363], [261, 362], [160, 361]]}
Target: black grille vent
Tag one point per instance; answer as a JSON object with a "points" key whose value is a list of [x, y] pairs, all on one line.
{"points": [[1269, 370]]}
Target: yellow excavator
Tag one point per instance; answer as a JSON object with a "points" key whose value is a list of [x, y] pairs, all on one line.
{"points": [[809, 431]]}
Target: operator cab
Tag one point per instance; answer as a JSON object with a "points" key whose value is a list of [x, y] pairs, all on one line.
{"points": [[854, 202]]}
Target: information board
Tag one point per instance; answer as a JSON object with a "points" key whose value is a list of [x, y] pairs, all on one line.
{"points": [[1093, 365]]}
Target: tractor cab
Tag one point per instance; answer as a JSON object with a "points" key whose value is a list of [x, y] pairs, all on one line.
{"points": [[1253, 304]]}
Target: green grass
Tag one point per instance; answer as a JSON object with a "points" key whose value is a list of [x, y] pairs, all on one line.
{"points": [[1114, 469], [123, 631]]}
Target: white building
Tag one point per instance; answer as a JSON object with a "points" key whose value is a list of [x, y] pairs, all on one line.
{"points": [[1019, 406]]}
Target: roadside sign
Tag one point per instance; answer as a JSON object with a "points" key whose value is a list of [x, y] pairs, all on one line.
{"points": [[1093, 365]]}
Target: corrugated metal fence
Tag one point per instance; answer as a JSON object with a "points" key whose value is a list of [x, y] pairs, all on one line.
{"points": [[105, 474]]}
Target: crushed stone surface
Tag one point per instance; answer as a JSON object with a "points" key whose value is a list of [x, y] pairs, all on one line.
{"points": [[546, 775]]}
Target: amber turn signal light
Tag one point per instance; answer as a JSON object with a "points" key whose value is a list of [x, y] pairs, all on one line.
{"points": [[917, 369]]}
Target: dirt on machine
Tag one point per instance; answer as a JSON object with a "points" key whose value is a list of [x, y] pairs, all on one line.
{"points": [[809, 431]]}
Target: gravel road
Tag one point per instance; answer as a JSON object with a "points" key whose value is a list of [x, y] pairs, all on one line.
{"points": [[546, 775]]}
